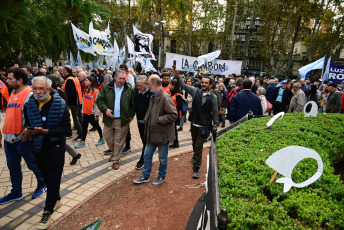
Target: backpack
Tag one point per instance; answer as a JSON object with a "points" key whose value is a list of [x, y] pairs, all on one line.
{"points": [[269, 108], [231, 94], [185, 107]]}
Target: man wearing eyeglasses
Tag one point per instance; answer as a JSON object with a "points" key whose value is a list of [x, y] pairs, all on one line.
{"points": [[47, 124]]}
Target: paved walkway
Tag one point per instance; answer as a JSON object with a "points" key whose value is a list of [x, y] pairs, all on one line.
{"points": [[91, 173]]}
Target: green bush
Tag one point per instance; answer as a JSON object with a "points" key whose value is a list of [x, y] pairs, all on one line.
{"points": [[253, 203]]}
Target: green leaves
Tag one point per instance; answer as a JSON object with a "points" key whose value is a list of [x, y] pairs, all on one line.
{"points": [[253, 203]]}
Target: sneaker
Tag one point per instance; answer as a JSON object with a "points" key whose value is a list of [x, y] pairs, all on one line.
{"points": [[10, 198], [195, 173], [100, 142], [93, 129], [139, 165], [58, 205], [45, 221], [107, 152], [80, 145], [141, 180], [39, 192], [223, 125], [78, 138], [159, 180], [126, 149], [180, 129], [75, 159]]}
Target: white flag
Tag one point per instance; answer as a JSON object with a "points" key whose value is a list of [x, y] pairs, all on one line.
{"points": [[116, 56], [78, 60], [327, 70], [71, 60], [147, 65], [82, 40], [100, 42], [121, 57], [208, 57], [142, 45]]}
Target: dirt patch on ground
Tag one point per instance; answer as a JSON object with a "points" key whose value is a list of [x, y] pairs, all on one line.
{"points": [[125, 205]]}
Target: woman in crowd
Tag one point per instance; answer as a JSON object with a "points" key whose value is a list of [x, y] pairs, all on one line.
{"points": [[224, 104], [187, 97], [177, 98], [90, 112], [261, 94]]}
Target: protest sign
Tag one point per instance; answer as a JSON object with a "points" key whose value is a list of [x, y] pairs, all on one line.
{"points": [[335, 73], [82, 40], [190, 64]]}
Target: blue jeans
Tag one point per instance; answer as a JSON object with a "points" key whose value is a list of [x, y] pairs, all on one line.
{"points": [[14, 152], [148, 156]]}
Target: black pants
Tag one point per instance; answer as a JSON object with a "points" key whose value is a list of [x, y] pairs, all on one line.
{"points": [[90, 119], [74, 109], [197, 146], [128, 138], [278, 107], [50, 162], [141, 127]]}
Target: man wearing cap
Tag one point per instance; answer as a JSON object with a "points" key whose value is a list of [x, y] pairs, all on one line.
{"points": [[298, 101], [282, 98], [334, 100]]}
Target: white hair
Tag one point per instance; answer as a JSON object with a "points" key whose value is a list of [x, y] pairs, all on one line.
{"points": [[42, 78], [142, 78], [261, 91]]}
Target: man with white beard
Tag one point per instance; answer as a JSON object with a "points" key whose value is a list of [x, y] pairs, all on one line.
{"points": [[47, 124]]}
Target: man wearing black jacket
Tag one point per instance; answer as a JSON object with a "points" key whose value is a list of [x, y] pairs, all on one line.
{"points": [[72, 96], [282, 97], [47, 115], [142, 98]]}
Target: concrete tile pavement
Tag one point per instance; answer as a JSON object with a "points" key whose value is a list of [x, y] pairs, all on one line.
{"points": [[90, 174]]}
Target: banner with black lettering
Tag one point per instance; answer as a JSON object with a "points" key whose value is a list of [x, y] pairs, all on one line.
{"points": [[335, 73], [142, 45], [82, 40], [100, 41], [190, 64]]}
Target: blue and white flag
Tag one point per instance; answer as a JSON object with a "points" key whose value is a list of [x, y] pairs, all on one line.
{"points": [[78, 60], [147, 65], [203, 59], [82, 40], [327, 70], [71, 60], [305, 71], [90, 65]]}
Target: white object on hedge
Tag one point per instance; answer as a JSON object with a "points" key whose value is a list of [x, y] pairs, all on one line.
{"points": [[314, 109], [284, 161], [274, 118]]}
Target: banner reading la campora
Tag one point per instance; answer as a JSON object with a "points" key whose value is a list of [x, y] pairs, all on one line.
{"points": [[100, 42], [190, 64], [82, 40]]}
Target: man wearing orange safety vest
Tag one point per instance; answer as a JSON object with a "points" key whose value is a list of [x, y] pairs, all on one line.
{"points": [[165, 85], [72, 88], [13, 130], [4, 94]]}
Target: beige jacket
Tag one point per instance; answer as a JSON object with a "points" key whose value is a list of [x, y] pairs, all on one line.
{"points": [[159, 119], [297, 101]]}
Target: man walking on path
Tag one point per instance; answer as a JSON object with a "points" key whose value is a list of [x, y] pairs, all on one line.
{"points": [[13, 130], [204, 111], [117, 102], [47, 114], [159, 130]]}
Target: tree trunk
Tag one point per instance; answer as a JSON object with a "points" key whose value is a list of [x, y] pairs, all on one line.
{"points": [[190, 28], [293, 43], [233, 29]]}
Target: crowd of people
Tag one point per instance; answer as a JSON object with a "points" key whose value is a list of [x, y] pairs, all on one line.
{"points": [[38, 103]]}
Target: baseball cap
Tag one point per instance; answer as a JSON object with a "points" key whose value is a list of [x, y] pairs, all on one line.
{"points": [[284, 81]]}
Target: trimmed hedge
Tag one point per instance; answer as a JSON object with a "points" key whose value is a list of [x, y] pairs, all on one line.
{"points": [[253, 203]]}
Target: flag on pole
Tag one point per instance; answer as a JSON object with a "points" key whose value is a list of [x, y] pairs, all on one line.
{"points": [[208, 57], [121, 57], [306, 70], [116, 56], [147, 65], [131, 51], [327, 70], [142, 45], [71, 60], [78, 60], [100, 42]]}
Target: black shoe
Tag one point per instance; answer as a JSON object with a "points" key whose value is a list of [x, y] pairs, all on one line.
{"points": [[93, 129], [175, 145], [78, 138], [126, 149], [107, 152], [223, 125], [159, 180], [180, 129], [195, 173], [141, 180], [139, 165], [75, 159]]}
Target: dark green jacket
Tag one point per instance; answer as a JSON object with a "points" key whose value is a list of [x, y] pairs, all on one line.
{"points": [[106, 100]]}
